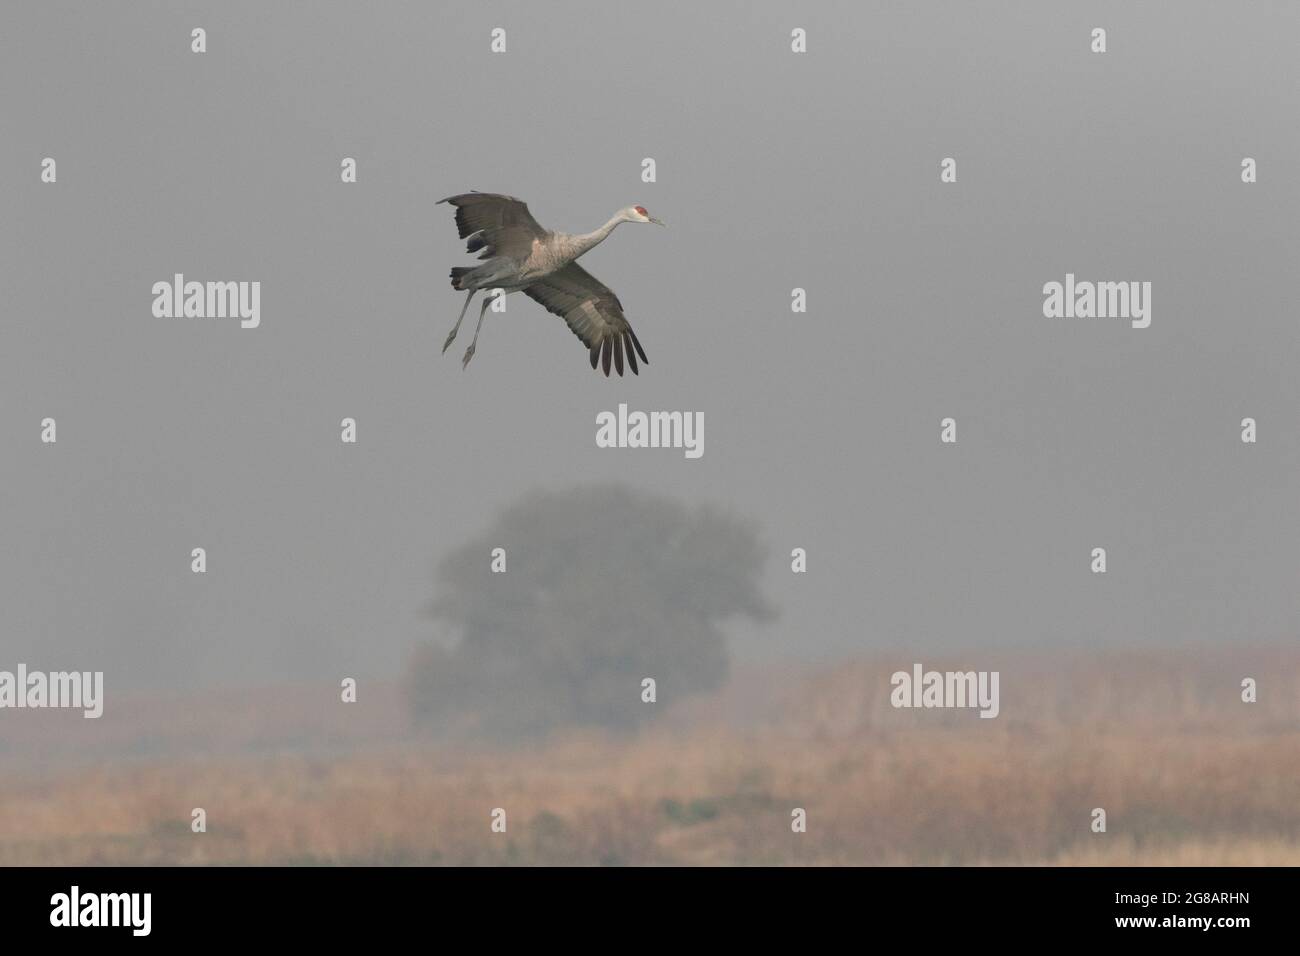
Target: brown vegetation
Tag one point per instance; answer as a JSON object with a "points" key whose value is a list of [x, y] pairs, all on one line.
{"points": [[1186, 772]]}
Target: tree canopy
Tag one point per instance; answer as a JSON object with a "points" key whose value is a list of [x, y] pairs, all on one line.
{"points": [[603, 586]]}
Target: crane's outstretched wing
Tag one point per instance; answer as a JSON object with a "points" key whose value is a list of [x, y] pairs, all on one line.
{"points": [[594, 314], [499, 225]]}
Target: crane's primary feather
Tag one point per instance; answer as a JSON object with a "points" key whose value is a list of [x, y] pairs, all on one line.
{"points": [[594, 314]]}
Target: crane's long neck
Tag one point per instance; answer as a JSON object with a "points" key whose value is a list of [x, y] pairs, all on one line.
{"points": [[577, 245]]}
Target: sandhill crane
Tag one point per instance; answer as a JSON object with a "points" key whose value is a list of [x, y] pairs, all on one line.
{"points": [[523, 257]]}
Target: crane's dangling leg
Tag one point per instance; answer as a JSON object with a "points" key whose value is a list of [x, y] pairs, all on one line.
{"points": [[456, 328], [488, 300]]}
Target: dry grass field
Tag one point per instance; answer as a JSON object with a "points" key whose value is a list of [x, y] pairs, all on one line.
{"points": [[1187, 774]]}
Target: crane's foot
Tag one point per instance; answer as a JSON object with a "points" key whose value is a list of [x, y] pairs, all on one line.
{"points": [[469, 354], [451, 337]]}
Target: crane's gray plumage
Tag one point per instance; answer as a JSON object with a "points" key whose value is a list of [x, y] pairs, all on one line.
{"points": [[520, 256], [499, 225], [592, 311]]}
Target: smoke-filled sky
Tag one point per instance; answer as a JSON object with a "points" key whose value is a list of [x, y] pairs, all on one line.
{"points": [[775, 170]]}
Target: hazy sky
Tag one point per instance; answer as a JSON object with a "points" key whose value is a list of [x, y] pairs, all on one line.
{"points": [[775, 170]]}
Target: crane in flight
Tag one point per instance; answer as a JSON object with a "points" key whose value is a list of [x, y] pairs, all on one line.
{"points": [[521, 256]]}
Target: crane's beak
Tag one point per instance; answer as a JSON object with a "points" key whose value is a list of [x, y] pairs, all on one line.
{"points": [[658, 222]]}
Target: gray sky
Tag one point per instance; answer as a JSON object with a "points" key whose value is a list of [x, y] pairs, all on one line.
{"points": [[775, 170]]}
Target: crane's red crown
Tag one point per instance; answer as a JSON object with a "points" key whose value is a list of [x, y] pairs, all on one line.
{"points": [[641, 210]]}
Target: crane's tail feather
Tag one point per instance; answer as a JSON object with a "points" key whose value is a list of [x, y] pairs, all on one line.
{"points": [[456, 273]]}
